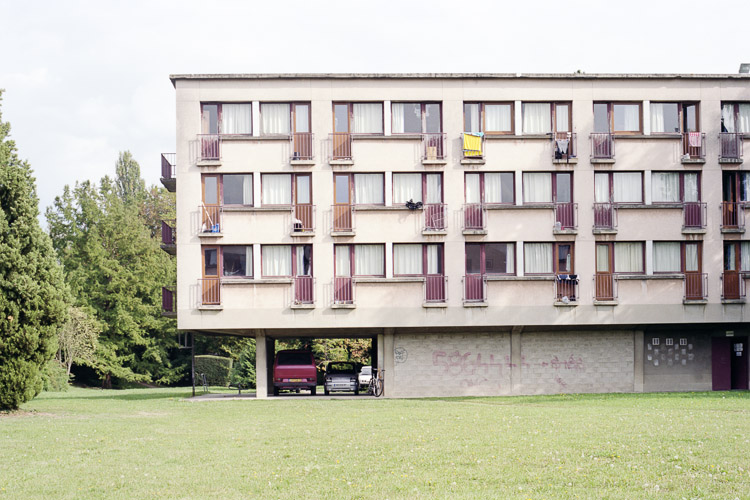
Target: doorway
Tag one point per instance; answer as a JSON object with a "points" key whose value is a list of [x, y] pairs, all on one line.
{"points": [[729, 363]]}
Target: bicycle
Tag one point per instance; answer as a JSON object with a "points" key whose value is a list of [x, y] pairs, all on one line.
{"points": [[376, 383]]}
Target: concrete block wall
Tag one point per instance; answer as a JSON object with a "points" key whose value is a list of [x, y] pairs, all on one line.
{"points": [[670, 366]]}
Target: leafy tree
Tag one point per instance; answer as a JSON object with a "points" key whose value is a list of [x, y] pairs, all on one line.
{"points": [[243, 370], [78, 339], [32, 291]]}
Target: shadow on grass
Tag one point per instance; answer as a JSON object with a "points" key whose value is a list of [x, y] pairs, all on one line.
{"points": [[135, 394]]}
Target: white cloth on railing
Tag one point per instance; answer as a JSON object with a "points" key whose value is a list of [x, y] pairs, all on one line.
{"points": [[694, 139]]}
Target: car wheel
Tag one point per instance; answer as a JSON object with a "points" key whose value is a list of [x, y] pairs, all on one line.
{"points": [[356, 391], [326, 392], [275, 391], [313, 391]]}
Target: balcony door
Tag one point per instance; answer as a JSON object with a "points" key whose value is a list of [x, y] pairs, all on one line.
{"points": [[342, 202], [211, 285], [434, 279], [735, 187], [604, 283], [342, 145], [303, 209], [562, 195], [302, 271], [211, 205], [732, 266], [343, 290], [692, 259], [301, 131]]}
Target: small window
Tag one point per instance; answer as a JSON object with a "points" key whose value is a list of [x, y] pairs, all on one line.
{"points": [[418, 187], [735, 117], [282, 261], [226, 118], [275, 118], [491, 188], [628, 257], [368, 189], [276, 189], [416, 118], [490, 258], [548, 258], [618, 187], [626, 118], [677, 257], [369, 260], [238, 189], [490, 118], [407, 260], [537, 118], [546, 187], [675, 187], [237, 261], [674, 117]]}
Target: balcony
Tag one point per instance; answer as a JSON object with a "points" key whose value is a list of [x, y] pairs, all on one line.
{"points": [[210, 220], [566, 218], [732, 217], [732, 286], [343, 291], [473, 147], [342, 220], [475, 289], [696, 287], [210, 290], [605, 288], [209, 148], [169, 236], [566, 289], [605, 218], [341, 149], [565, 147], [435, 217], [693, 147], [303, 222], [602, 148], [474, 218], [168, 179], [435, 289], [304, 292], [302, 148], [169, 301], [693, 216], [433, 148], [731, 145]]}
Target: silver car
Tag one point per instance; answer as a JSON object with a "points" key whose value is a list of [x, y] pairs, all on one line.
{"points": [[341, 376], [365, 375]]}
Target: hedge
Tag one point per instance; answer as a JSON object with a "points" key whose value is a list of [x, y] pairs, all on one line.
{"points": [[216, 368]]}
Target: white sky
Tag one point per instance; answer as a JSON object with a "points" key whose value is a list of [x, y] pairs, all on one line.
{"points": [[85, 79]]}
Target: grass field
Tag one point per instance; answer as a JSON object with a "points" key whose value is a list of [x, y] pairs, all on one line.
{"points": [[152, 443]]}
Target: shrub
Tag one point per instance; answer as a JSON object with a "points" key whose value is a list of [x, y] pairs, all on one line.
{"points": [[216, 368], [55, 377], [243, 371]]}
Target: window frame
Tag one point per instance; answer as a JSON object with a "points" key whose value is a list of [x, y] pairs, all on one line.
{"points": [[220, 189], [352, 257], [553, 187], [350, 116], [293, 249], [553, 116], [423, 105], [292, 117], [248, 265], [611, 116], [611, 177], [681, 105], [353, 189], [555, 260], [482, 196], [483, 119], [424, 273], [483, 257], [219, 113], [682, 187], [683, 245], [736, 112], [424, 185], [293, 191], [613, 257]]}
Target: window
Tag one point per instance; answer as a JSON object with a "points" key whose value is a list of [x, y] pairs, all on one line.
{"points": [[548, 258], [490, 258], [416, 118], [488, 117], [618, 187], [547, 187], [368, 189], [423, 187], [736, 186], [228, 189], [737, 256], [237, 261], [226, 118], [617, 118], [284, 118], [359, 260], [358, 117], [675, 187], [735, 117], [286, 189], [628, 257], [492, 188], [673, 117], [677, 257], [279, 261], [546, 117], [415, 259]]}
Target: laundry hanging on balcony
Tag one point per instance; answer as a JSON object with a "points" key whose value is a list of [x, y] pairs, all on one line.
{"points": [[473, 144], [694, 139]]}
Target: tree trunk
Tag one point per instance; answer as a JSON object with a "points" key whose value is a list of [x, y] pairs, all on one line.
{"points": [[107, 382]]}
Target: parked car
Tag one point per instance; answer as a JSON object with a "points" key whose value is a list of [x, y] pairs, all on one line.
{"points": [[341, 376], [294, 370], [365, 375]]}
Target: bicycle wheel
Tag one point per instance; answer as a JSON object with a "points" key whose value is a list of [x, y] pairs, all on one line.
{"points": [[377, 389]]}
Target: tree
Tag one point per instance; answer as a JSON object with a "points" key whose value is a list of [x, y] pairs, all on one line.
{"points": [[78, 339], [32, 291]]}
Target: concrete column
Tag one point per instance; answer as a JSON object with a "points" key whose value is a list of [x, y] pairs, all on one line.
{"points": [[385, 342], [261, 370], [270, 357], [515, 360], [638, 361]]}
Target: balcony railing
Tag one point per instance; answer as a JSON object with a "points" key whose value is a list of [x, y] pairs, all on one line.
{"points": [[605, 287], [732, 285], [731, 145], [566, 215], [304, 290], [565, 146], [474, 216], [210, 291], [732, 215], [475, 288], [343, 290], [435, 216], [605, 216], [473, 146], [169, 300], [694, 145], [566, 288], [435, 288], [302, 146], [168, 162], [210, 146], [168, 232], [696, 286], [304, 219], [602, 146], [210, 218], [341, 146], [343, 218], [694, 215], [433, 146]]}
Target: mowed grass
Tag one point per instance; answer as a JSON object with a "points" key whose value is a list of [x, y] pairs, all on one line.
{"points": [[153, 443]]}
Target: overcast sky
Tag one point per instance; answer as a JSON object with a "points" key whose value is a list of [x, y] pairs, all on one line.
{"points": [[86, 79]]}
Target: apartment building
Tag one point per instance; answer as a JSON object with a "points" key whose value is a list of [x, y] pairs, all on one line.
{"points": [[493, 234]]}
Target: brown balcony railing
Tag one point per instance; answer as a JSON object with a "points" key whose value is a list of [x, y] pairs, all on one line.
{"points": [[168, 162], [696, 286], [210, 146], [435, 216], [304, 219], [732, 285], [343, 218], [694, 145], [732, 215], [168, 232], [210, 291], [304, 290], [605, 287], [566, 215], [169, 300], [473, 146], [341, 146], [474, 216], [433, 146], [566, 288], [475, 288], [210, 218], [731, 145], [343, 290], [564, 145], [694, 215], [435, 288], [602, 146], [302, 146], [605, 216]]}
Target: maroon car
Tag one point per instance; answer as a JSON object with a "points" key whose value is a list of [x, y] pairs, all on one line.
{"points": [[294, 370]]}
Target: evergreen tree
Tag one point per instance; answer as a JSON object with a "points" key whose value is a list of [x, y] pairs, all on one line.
{"points": [[32, 291]]}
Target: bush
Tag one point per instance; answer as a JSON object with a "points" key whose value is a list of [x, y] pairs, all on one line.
{"points": [[243, 371], [216, 368], [55, 377]]}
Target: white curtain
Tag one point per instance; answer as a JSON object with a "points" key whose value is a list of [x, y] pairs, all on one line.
{"points": [[493, 188], [249, 260], [369, 260], [562, 113], [727, 117], [602, 259], [601, 188], [368, 118], [275, 118], [691, 186], [473, 188], [472, 119], [434, 188], [665, 187], [628, 257], [397, 116], [745, 256], [537, 258], [537, 118], [657, 116], [406, 187], [744, 118], [537, 187], [510, 257], [627, 187], [236, 119], [407, 259], [667, 257], [691, 257], [497, 117], [627, 117], [368, 189], [343, 261], [277, 260], [277, 189], [433, 259]]}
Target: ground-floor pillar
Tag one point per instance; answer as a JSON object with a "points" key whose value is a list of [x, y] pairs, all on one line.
{"points": [[385, 359], [261, 365], [638, 361]]}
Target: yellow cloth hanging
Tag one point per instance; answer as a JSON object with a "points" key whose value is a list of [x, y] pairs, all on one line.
{"points": [[472, 145]]}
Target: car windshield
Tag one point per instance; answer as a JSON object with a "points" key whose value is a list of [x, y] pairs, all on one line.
{"points": [[334, 368], [294, 358]]}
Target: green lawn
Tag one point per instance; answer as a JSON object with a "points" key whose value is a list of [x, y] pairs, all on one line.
{"points": [[152, 443]]}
